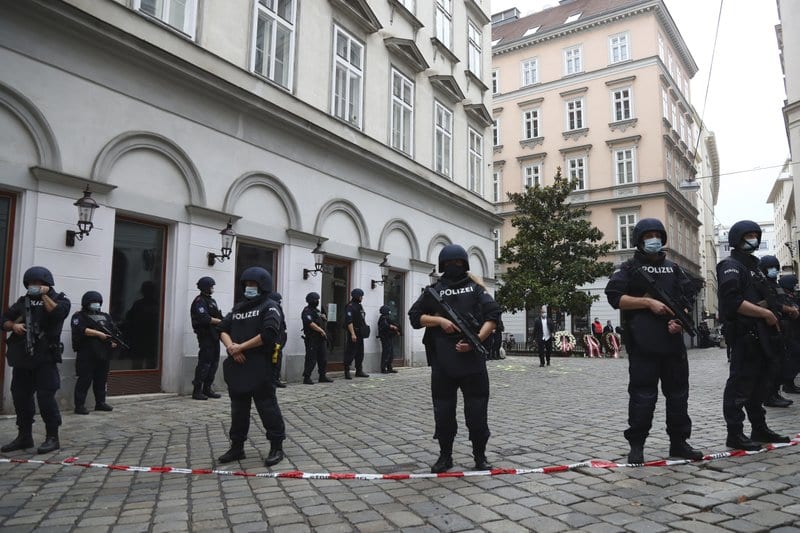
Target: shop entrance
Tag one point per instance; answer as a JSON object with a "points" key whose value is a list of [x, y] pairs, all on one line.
{"points": [[394, 299], [335, 295]]}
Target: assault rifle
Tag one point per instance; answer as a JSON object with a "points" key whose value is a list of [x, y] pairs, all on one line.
{"points": [[467, 324], [31, 330], [677, 307], [112, 336]]}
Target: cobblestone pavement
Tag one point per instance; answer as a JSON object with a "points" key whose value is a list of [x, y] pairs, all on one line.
{"points": [[568, 412]]}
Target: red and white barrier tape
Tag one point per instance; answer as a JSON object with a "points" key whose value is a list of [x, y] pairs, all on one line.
{"points": [[296, 474]]}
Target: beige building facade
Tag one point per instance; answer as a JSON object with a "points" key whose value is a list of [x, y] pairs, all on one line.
{"points": [[599, 89]]}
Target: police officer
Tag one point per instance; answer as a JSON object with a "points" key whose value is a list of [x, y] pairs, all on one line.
{"points": [[747, 327], [387, 331], [93, 347], [454, 364], [774, 296], [654, 341], [316, 339], [206, 316], [791, 330], [277, 360], [250, 333], [33, 351], [356, 325]]}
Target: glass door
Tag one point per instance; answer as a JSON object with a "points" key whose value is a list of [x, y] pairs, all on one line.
{"points": [[6, 229], [335, 295], [394, 298]]}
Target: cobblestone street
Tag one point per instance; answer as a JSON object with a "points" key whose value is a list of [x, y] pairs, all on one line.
{"points": [[572, 411]]}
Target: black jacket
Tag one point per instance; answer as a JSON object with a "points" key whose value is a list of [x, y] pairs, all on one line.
{"points": [[203, 309], [84, 345], [48, 347], [538, 332]]}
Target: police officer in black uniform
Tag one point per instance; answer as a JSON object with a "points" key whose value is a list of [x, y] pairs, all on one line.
{"points": [[791, 330], [316, 339], [33, 354], [654, 342], [387, 331], [748, 328], [93, 348], [277, 359], [454, 364], [250, 333], [206, 316], [356, 325]]}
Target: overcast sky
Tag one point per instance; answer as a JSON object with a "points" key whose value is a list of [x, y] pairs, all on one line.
{"points": [[745, 95]]}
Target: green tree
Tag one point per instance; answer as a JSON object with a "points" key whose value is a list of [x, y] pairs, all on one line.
{"points": [[556, 249]]}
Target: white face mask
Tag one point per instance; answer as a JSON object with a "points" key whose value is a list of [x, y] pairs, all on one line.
{"points": [[652, 246], [94, 306], [250, 292], [750, 245], [772, 273]]}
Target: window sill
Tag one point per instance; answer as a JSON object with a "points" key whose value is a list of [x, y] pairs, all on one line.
{"points": [[575, 134], [497, 149], [532, 142], [272, 83], [444, 50], [155, 20], [623, 125]]}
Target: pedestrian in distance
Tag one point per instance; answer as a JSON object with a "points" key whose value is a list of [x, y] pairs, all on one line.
{"points": [[387, 331], [206, 316], [455, 363], [92, 332], [748, 328], [357, 330], [597, 331], [277, 359], [543, 330], [33, 351], [315, 337], [250, 333], [654, 342]]}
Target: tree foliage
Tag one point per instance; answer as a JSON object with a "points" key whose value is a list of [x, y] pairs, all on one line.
{"points": [[556, 249]]}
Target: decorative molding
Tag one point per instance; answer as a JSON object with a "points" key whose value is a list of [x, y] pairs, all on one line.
{"points": [[403, 227], [40, 131], [499, 163], [531, 143], [479, 113], [497, 110], [262, 179], [575, 134], [633, 139], [497, 149], [478, 253], [437, 239], [531, 102], [581, 148], [406, 14], [302, 237], [360, 12], [623, 125], [621, 81], [477, 12], [62, 178], [625, 191], [350, 210], [574, 92], [197, 212], [444, 50], [471, 76], [448, 86], [539, 156], [421, 266], [374, 255], [406, 50]]}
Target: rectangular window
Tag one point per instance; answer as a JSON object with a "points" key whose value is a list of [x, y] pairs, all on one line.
{"points": [[402, 126], [668, 162], [495, 81], [574, 114], [443, 140], [665, 104], [273, 50], [475, 178], [622, 104], [179, 14], [661, 47], [497, 186], [576, 168], [530, 124], [625, 165], [348, 77], [625, 225], [530, 72], [683, 128], [444, 22], [496, 132], [572, 61], [474, 38], [497, 244], [532, 175], [618, 48]]}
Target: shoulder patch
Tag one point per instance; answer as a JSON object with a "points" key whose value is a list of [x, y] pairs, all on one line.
{"points": [[201, 309], [76, 321]]}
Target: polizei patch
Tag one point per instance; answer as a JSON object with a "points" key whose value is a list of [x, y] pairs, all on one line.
{"points": [[451, 292]]}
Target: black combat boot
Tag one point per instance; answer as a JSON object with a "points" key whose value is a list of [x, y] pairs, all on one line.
{"points": [[776, 400], [275, 455], [739, 441], [103, 406], [636, 455], [684, 450], [81, 410], [361, 374], [23, 441], [209, 392], [324, 379], [347, 373], [50, 443], [307, 381], [236, 453], [445, 460], [764, 434], [197, 393], [390, 370], [479, 454]]}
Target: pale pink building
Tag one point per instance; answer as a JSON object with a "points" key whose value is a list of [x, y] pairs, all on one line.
{"points": [[599, 88]]}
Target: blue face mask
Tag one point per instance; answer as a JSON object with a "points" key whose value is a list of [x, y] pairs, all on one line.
{"points": [[750, 245], [772, 273], [34, 290], [652, 246], [250, 292], [94, 306]]}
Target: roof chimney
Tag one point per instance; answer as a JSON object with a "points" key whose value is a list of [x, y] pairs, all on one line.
{"points": [[505, 16]]}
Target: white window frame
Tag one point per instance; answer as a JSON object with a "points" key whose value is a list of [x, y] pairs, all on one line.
{"points": [[661, 47], [529, 71], [626, 221], [664, 103], [400, 138], [668, 164], [574, 117], [474, 161], [497, 245], [577, 172], [531, 123], [532, 175], [443, 23], [497, 186], [410, 5], [625, 165], [351, 72], [443, 140], [474, 47], [618, 101], [573, 63], [189, 15], [619, 48], [495, 81], [496, 140], [261, 11]]}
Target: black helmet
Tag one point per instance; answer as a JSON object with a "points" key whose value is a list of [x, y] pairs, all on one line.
{"points": [[646, 225], [384, 310], [205, 283], [357, 293], [738, 231], [312, 297], [260, 276], [788, 282], [38, 273], [91, 297], [276, 296], [450, 252], [768, 261]]}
